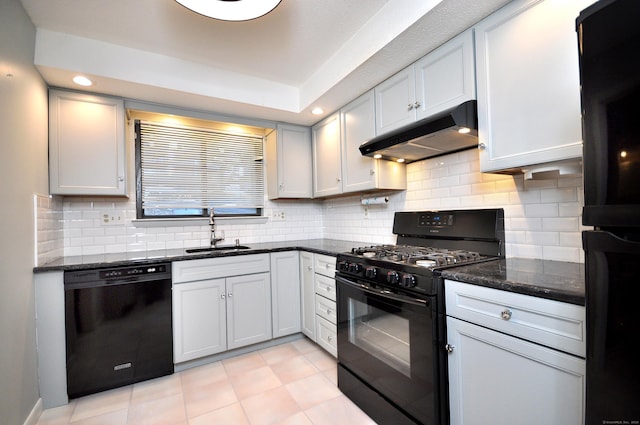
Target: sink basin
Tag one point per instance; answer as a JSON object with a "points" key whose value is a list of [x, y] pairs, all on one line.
{"points": [[217, 248]]}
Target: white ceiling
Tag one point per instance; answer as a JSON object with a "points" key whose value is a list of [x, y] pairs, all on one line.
{"points": [[305, 53]]}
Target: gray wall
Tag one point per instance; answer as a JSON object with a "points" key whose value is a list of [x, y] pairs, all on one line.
{"points": [[23, 173]]}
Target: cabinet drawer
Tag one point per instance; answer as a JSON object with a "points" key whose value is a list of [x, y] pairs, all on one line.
{"points": [[325, 265], [213, 268], [551, 323], [326, 336], [326, 309], [325, 286]]}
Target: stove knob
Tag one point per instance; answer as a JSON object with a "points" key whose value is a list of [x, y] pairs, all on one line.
{"points": [[408, 280], [392, 277], [370, 272], [343, 266], [355, 268]]}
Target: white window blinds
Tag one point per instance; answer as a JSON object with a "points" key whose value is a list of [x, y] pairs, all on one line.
{"points": [[187, 167]]}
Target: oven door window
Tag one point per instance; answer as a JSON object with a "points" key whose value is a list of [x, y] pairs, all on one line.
{"points": [[392, 346], [382, 334]]}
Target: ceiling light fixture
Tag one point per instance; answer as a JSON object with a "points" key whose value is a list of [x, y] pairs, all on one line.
{"points": [[317, 111], [82, 81], [231, 10]]}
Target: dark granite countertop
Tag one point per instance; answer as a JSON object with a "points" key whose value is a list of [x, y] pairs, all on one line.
{"points": [[554, 280], [320, 246]]}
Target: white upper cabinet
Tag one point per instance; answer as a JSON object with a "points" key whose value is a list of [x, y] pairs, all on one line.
{"points": [[528, 85], [357, 122], [395, 101], [327, 169], [288, 156], [446, 77], [442, 79], [86, 144]]}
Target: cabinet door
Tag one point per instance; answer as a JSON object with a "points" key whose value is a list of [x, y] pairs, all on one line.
{"points": [[395, 101], [248, 309], [199, 319], [308, 294], [445, 77], [357, 121], [528, 84], [289, 159], [327, 169], [86, 144], [285, 293], [498, 379]]}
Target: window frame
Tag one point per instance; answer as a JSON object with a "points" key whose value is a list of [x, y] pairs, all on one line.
{"points": [[204, 212]]}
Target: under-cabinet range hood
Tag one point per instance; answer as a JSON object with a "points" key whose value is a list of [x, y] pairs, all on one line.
{"points": [[450, 131]]}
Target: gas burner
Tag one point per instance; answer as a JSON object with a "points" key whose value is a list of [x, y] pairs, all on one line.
{"points": [[421, 256]]}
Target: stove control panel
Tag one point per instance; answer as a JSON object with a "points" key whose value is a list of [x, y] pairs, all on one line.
{"points": [[435, 219]]}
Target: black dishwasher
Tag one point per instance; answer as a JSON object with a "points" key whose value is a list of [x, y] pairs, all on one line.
{"points": [[118, 326]]}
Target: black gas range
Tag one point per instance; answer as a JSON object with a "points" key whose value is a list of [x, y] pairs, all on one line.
{"points": [[391, 320]]}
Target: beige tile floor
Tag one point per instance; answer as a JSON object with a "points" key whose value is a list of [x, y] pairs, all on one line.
{"points": [[289, 384]]}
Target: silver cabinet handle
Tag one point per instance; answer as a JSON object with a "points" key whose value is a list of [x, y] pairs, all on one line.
{"points": [[506, 314], [309, 268], [222, 297], [482, 146], [416, 105], [329, 338], [449, 348], [409, 107], [328, 311], [338, 179], [229, 295]]}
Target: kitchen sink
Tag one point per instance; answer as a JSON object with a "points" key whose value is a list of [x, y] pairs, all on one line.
{"points": [[217, 248]]}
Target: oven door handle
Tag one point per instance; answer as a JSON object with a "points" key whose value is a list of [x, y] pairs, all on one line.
{"points": [[383, 293]]}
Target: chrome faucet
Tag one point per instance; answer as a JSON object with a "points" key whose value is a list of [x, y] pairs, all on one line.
{"points": [[212, 223]]}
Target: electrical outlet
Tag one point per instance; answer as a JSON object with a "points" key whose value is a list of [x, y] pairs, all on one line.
{"points": [[112, 218], [277, 215]]}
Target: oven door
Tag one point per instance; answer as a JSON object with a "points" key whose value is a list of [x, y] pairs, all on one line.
{"points": [[390, 342]]}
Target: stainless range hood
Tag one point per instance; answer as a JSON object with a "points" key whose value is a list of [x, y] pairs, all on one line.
{"points": [[450, 131]]}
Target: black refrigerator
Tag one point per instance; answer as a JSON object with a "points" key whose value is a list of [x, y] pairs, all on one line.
{"points": [[609, 49]]}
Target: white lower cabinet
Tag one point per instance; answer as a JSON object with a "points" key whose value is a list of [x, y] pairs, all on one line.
{"points": [[285, 293], [199, 319], [307, 295], [500, 377], [325, 302], [223, 312]]}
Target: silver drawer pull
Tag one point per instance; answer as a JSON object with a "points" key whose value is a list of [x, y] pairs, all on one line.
{"points": [[506, 314], [329, 338], [328, 311], [449, 348]]}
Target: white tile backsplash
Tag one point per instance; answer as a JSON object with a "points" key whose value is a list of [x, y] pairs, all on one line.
{"points": [[542, 218]]}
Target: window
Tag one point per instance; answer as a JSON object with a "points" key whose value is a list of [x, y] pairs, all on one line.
{"points": [[183, 171]]}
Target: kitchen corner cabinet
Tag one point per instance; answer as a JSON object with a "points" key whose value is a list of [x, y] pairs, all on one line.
{"points": [[327, 168], [86, 144], [442, 79], [307, 295], [285, 293], [220, 304], [360, 173], [338, 165], [288, 157], [528, 85], [509, 361]]}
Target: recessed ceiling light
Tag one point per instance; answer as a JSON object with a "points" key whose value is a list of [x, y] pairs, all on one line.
{"points": [[317, 111], [377, 156], [231, 10], [400, 160], [464, 130], [82, 81]]}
